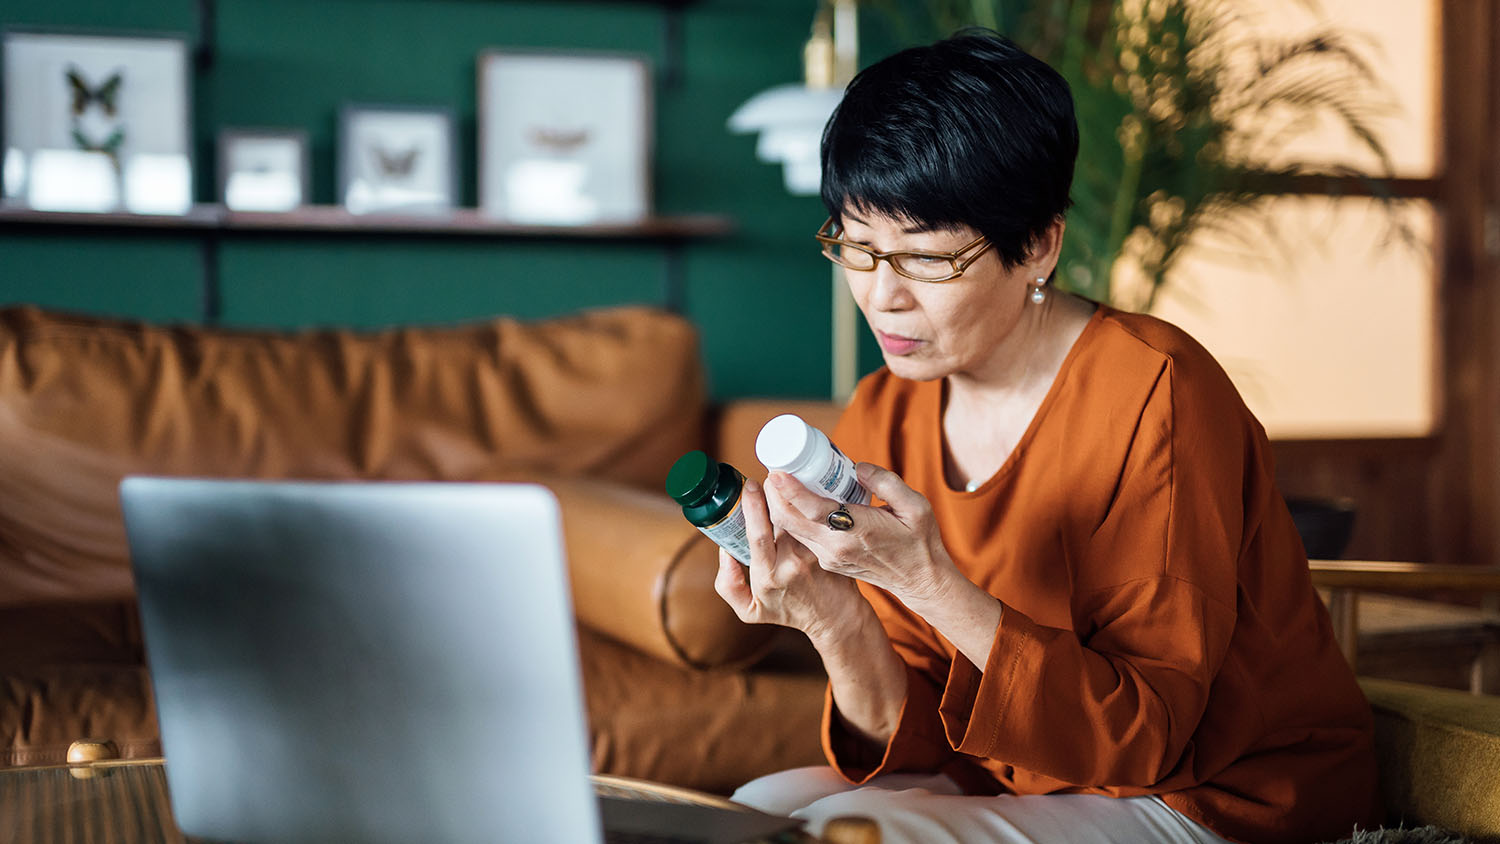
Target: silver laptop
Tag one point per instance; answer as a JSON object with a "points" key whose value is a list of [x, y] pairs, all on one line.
{"points": [[373, 663]]}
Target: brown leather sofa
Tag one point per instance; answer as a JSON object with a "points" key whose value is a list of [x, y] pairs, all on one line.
{"points": [[597, 406]]}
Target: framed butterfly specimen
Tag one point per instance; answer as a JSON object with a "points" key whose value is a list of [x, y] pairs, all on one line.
{"points": [[397, 159], [96, 122], [565, 138], [263, 169]]}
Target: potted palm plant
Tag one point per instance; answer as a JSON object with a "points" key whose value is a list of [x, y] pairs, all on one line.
{"points": [[1181, 105]]}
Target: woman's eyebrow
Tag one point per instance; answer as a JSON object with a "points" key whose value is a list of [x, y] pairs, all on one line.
{"points": [[914, 228]]}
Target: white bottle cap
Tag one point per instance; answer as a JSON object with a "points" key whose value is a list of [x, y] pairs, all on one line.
{"points": [[785, 443]]}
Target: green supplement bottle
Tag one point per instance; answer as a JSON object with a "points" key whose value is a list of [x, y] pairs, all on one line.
{"points": [[709, 493]]}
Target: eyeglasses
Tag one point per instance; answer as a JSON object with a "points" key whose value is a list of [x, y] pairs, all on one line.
{"points": [[917, 266]]}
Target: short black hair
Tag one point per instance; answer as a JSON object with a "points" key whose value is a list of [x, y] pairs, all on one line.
{"points": [[971, 130]]}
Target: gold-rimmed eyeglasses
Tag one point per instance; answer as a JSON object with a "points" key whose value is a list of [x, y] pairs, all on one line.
{"points": [[917, 266]]}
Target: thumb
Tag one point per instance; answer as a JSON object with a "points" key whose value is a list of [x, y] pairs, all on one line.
{"points": [[888, 486], [733, 586]]}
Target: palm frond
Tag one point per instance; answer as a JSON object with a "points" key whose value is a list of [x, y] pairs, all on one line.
{"points": [[1181, 103]]}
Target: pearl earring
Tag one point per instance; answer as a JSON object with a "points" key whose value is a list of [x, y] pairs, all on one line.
{"points": [[1039, 291]]}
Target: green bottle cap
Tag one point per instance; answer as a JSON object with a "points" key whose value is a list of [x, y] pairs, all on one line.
{"points": [[692, 478]]}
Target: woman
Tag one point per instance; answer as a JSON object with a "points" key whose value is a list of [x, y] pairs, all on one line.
{"points": [[1083, 582]]}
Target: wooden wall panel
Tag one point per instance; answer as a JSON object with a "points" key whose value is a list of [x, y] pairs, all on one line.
{"points": [[1391, 482], [1468, 465]]}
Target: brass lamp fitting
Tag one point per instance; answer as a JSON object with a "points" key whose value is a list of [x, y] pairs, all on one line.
{"points": [[831, 55]]}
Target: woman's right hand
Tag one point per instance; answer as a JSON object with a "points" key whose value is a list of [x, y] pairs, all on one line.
{"points": [[784, 584]]}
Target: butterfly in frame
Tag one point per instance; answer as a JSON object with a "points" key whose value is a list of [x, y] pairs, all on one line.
{"points": [[105, 94], [96, 129], [397, 164]]}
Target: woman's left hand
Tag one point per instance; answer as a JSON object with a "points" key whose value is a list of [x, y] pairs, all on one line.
{"points": [[896, 547]]}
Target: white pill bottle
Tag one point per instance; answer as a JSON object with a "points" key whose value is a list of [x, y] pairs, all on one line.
{"points": [[788, 444]]}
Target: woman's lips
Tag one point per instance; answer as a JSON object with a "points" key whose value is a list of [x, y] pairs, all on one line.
{"points": [[895, 344]]}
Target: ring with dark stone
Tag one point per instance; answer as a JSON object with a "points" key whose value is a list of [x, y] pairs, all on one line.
{"points": [[840, 519]]}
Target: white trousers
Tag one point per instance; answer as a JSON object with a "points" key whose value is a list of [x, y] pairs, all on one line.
{"points": [[930, 809]]}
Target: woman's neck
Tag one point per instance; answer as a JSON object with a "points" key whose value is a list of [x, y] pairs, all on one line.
{"points": [[984, 418], [1026, 361]]}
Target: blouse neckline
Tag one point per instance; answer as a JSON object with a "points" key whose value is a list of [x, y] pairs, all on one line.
{"points": [[934, 412]]}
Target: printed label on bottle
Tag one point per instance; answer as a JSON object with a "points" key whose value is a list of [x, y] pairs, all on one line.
{"points": [[729, 533], [840, 482]]}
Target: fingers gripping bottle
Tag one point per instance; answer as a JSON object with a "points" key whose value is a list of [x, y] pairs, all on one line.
{"points": [[788, 444], [709, 493]]}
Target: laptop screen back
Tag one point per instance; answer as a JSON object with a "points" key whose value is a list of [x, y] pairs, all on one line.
{"points": [[362, 662]]}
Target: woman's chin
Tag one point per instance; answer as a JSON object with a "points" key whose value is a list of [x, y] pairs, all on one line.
{"points": [[913, 367]]}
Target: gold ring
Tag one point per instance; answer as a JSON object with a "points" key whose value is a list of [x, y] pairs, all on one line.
{"points": [[840, 519]]}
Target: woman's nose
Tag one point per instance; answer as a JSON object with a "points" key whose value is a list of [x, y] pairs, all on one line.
{"points": [[888, 288]]}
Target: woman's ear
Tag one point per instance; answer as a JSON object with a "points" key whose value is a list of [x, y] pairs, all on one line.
{"points": [[1048, 249]]}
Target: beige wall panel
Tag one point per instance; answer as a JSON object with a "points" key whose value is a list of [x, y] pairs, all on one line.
{"points": [[1328, 330], [1399, 39]]}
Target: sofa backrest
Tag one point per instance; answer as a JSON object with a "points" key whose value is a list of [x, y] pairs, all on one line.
{"points": [[614, 394]]}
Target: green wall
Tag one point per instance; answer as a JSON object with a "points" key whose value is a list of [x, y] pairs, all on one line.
{"points": [[760, 297]]}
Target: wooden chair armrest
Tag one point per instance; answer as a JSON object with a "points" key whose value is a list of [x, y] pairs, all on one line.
{"points": [[1345, 579], [1402, 577]]}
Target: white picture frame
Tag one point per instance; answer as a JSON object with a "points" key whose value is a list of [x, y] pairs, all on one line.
{"points": [[397, 159], [565, 138], [263, 170], [96, 122]]}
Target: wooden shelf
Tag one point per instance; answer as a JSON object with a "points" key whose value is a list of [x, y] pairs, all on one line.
{"points": [[198, 217], [209, 224], [335, 220]]}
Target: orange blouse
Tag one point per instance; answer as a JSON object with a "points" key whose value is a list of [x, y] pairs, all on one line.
{"points": [[1160, 632]]}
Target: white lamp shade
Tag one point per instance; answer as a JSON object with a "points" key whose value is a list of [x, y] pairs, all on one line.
{"points": [[790, 120], [785, 104], [789, 143], [802, 178]]}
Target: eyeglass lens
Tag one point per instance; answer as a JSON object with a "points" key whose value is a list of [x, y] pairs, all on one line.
{"points": [[917, 266]]}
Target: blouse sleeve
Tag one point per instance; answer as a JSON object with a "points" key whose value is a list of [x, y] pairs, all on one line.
{"points": [[919, 742], [1115, 701]]}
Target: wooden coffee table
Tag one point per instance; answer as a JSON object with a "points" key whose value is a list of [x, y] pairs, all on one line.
{"points": [[125, 802]]}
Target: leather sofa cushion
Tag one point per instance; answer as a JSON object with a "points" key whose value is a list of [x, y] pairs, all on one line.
{"points": [[107, 632], [710, 730], [45, 708], [642, 575], [72, 672], [614, 394]]}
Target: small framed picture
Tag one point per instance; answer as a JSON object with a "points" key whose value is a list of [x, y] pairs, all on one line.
{"points": [[565, 138], [397, 159], [97, 122], [263, 169]]}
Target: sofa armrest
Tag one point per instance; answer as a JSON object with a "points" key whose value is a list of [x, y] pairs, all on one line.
{"points": [[644, 576], [733, 427], [1439, 756]]}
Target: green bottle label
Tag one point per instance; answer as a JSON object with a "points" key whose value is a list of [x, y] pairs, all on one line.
{"points": [[729, 533]]}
